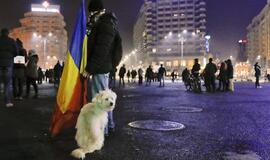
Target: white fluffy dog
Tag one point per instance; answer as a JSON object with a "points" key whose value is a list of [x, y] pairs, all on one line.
{"points": [[91, 123]]}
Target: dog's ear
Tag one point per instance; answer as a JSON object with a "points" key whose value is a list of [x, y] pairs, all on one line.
{"points": [[97, 98]]}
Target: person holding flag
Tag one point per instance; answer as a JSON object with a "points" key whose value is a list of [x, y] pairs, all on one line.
{"points": [[95, 49], [104, 51], [72, 92]]}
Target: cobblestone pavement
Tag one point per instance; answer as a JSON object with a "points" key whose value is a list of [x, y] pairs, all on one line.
{"points": [[231, 126]]}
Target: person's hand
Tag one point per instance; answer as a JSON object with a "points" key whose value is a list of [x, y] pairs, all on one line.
{"points": [[86, 75]]}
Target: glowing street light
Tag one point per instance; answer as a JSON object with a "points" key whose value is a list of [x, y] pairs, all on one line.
{"points": [[35, 34], [50, 34], [208, 37], [185, 31]]}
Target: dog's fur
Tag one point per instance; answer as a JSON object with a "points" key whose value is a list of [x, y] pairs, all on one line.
{"points": [[92, 122]]}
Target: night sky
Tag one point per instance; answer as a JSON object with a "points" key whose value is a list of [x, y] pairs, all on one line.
{"points": [[227, 19]]}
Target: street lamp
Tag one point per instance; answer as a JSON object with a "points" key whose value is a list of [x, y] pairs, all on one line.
{"points": [[44, 40]]}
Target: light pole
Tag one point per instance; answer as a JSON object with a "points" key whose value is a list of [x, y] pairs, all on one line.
{"points": [[45, 42]]}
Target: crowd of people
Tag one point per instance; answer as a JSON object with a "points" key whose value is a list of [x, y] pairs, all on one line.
{"points": [[19, 70], [209, 75], [133, 74]]}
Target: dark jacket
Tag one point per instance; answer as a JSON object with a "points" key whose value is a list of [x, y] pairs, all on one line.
{"points": [[162, 71], [8, 50], [196, 69], [104, 45], [230, 71], [257, 69], [210, 70], [31, 67], [122, 72], [223, 74], [149, 73]]}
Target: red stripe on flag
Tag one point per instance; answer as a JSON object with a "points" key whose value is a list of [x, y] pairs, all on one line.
{"points": [[68, 120]]}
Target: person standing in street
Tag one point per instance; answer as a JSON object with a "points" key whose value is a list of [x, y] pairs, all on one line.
{"points": [[196, 73], [104, 51], [112, 77], [121, 74], [257, 69], [210, 77], [8, 50], [140, 73], [161, 74], [223, 77], [230, 72], [128, 76], [57, 71], [32, 73], [149, 75], [19, 71], [133, 75]]}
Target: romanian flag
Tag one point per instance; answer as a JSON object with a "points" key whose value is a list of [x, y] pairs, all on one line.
{"points": [[72, 93]]}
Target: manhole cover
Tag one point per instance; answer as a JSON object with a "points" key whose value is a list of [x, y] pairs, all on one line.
{"points": [[157, 125], [248, 155], [183, 109]]}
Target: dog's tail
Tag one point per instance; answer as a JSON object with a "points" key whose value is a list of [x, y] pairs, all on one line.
{"points": [[78, 153]]}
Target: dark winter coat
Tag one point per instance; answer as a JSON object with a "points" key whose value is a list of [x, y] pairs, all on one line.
{"points": [[32, 68], [104, 45], [161, 71], [257, 69], [149, 73], [8, 50], [230, 71], [210, 70], [196, 69], [223, 74], [122, 72]]}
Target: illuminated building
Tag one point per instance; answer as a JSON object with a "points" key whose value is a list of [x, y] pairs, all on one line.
{"points": [[242, 51], [43, 29], [171, 32], [258, 38]]}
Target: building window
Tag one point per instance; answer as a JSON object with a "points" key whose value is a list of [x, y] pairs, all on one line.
{"points": [[168, 63], [175, 63]]}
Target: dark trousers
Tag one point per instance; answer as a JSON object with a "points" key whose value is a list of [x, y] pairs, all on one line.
{"points": [[18, 86], [121, 81], [140, 80], [6, 79], [31, 81], [223, 85], [210, 83], [18, 82], [148, 80], [257, 83]]}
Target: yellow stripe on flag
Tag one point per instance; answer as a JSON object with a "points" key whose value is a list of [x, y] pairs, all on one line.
{"points": [[84, 55], [68, 83]]}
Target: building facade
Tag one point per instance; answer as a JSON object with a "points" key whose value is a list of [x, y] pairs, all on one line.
{"points": [[171, 32], [258, 38], [242, 51], [43, 29]]}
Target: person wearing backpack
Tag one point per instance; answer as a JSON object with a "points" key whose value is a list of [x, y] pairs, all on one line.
{"points": [[104, 51]]}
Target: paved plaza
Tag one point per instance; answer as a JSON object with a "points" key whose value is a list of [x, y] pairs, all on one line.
{"points": [[224, 126]]}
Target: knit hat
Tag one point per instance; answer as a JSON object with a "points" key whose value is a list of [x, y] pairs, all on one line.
{"points": [[32, 52], [95, 5]]}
